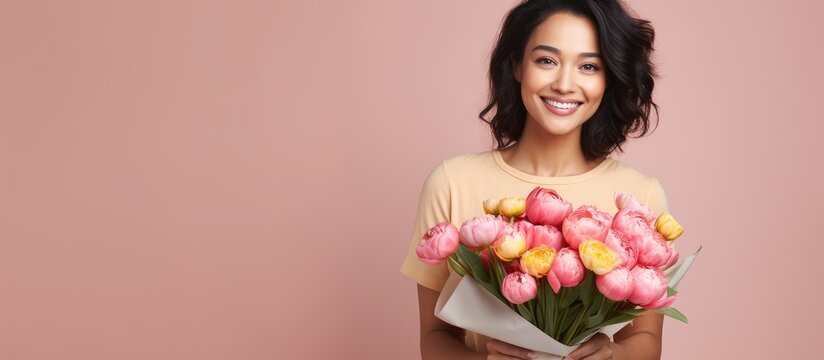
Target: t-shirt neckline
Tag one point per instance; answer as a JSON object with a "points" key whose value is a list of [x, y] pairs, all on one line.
{"points": [[536, 179]]}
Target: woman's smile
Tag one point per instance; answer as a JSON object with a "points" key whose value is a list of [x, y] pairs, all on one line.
{"points": [[559, 106]]}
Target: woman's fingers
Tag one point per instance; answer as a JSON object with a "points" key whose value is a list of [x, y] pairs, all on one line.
{"points": [[604, 353], [597, 346], [501, 357], [509, 351]]}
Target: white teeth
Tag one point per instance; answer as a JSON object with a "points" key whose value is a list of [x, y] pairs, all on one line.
{"points": [[561, 105]]}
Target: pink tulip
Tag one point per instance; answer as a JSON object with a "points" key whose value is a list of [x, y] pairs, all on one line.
{"points": [[547, 235], [650, 285], [654, 251], [567, 270], [546, 207], [438, 243], [672, 260], [586, 223], [663, 302], [633, 225], [522, 225], [519, 287], [622, 247], [624, 200], [481, 231], [616, 285], [510, 245]]}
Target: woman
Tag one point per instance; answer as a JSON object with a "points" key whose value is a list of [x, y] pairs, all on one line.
{"points": [[570, 80]]}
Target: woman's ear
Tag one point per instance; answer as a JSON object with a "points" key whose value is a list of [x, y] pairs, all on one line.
{"points": [[516, 69]]}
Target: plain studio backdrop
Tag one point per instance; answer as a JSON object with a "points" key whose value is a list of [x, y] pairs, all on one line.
{"points": [[238, 179]]}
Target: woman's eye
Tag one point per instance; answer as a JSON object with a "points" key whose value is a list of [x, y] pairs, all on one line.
{"points": [[546, 61], [589, 67]]}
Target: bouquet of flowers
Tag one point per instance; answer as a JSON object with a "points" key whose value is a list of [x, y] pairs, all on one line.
{"points": [[569, 273]]}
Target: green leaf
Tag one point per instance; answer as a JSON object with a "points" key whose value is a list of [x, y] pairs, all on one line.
{"points": [[456, 266], [526, 313], [587, 286], [582, 335], [568, 318], [539, 310], [674, 313], [602, 309], [551, 322], [476, 265], [619, 318], [671, 291], [568, 296], [635, 312], [539, 305], [498, 268]]}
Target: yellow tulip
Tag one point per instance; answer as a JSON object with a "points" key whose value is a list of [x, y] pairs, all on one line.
{"points": [[537, 261], [668, 227], [510, 246], [511, 206], [491, 206], [598, 257]]}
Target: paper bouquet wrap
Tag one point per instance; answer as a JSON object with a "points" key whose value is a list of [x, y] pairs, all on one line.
{"points": [[469, 306]]}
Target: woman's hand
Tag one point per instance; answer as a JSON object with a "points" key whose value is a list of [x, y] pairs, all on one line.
{"points": [[499, 350], [598, 347]]}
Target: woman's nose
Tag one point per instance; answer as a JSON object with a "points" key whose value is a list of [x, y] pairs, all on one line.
{"points": [[564, 81]]}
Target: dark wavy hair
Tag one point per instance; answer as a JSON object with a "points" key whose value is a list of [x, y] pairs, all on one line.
{"points": [[626, 46]]}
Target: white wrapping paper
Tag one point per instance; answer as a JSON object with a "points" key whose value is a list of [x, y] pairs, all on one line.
{"points": [[467, 305]]}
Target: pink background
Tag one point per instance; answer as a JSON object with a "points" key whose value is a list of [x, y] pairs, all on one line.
{"points": [[197, 180]]}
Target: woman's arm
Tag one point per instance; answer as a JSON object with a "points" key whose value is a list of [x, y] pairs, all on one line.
{"points": [[641, 339], [440, 340]]}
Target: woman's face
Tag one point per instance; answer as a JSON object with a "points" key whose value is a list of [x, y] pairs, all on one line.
{"points": [[562, 75]]}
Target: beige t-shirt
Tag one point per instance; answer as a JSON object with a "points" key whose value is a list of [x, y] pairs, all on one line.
{"points": [[455, 191]]}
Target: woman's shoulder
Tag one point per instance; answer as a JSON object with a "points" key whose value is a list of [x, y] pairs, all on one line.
{"points": [[641, 184], [470, 158], [618, 169], [474, 163]]}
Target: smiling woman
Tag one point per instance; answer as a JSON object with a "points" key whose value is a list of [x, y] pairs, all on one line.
{"points": [[569, 81]]}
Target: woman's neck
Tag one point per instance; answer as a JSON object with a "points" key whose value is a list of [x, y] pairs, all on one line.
{"points": [[543, 154]]}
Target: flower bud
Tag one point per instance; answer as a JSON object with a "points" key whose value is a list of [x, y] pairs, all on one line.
{"points": [[616, 285], [654, 252], [511, 206], [546, 207], [438, 243], [622, 247], [481, 231], [537, 261], [519, 287], [585, 223], [650, 285], [567, 270], [598, 257], [668, 227], [510, 246], [546, 235], [491, 206]]}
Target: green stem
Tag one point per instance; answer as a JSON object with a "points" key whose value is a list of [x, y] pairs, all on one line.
{"points": [[577, 323], [457, 266]]}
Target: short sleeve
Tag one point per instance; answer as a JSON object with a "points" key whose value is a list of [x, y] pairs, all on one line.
{"points": [[657, 202], [656, 198], [433, 208]]}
